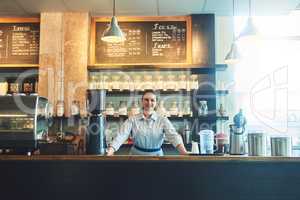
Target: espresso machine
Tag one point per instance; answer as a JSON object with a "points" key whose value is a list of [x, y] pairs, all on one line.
{"points": [[96, 127], [24, 122], [238, 135]]}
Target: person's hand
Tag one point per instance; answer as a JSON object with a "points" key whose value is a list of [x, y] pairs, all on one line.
{"points": [[110, 151], [182, 150]]}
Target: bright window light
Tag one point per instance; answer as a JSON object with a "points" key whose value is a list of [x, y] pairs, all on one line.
{"points": [[267, 80]]}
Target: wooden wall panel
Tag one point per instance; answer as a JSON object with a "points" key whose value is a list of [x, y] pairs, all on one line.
{"points": [[50, 56], [76, 40], [63, 58]]}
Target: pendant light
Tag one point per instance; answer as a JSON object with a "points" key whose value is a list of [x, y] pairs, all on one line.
{"points": [[113, 34], [233, 55], [249, 32]]}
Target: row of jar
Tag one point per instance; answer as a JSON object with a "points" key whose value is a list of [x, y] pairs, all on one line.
{"points": [[139, 82], [15, 88], [173, 110]]}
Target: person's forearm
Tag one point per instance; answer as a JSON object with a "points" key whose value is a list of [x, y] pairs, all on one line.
{"points": [[181, 149]]}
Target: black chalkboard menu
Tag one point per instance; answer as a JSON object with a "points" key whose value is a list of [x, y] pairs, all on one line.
{"points": [[19, 43], [146, 42]]}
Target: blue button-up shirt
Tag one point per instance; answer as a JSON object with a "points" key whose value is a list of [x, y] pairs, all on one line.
{"points": [[147, 133]]}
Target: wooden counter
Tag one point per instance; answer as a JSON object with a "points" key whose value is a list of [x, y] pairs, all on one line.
{"points": [[149, 178]]}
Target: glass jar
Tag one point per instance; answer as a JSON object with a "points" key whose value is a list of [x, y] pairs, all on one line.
{"points": [[14, 88], [28, 88], [123, 108], [137, 82], [161, 109], [60, 108], [186, 108], [115, 82], [181, 83], [124, 83], [203, 109], [173, 109], [147, 84], [134, 110], [105, 82], [159, 82], [194, 82], [3, 88], [171, 83], [92, 82], [109, 109]]}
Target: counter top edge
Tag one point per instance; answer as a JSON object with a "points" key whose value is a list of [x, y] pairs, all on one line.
{"points": [[145, 158]]}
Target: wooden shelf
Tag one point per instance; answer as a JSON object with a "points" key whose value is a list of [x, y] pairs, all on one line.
{"points": [[176, 118], [167, 92], [194, 68]]}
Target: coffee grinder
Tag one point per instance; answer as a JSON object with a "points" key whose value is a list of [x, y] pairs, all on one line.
{"points": [[96, 126], [237, 135]]}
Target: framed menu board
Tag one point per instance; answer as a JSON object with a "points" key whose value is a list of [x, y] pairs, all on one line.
{"points": [[19, 42], [149, 40]]}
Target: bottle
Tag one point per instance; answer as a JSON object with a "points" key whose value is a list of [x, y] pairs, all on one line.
{"points": [[75, 109], [187, 134], [221, 110]]}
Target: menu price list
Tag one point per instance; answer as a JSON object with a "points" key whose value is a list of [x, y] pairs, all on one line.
{"points": [[19, 43], [146, 42]]}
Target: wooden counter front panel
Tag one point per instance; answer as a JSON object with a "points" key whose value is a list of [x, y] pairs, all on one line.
{"points": [[149, 180]]}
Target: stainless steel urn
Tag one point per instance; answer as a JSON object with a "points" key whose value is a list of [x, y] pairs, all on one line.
{"points": [[257, 144], [281, 146], [237, 141]]}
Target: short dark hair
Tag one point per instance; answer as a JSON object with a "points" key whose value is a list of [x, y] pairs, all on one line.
{"points": [[149, 91]]}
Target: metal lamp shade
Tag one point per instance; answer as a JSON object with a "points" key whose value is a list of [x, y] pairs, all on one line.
{"points": [[233, 55], [250, 32], [113, 33]]}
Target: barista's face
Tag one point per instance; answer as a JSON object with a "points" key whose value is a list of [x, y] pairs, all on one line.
{"points": [[149, 101]]}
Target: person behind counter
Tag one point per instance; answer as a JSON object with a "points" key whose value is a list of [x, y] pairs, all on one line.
{"points": [[148, 130]]}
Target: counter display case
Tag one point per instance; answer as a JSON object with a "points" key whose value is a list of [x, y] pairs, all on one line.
{"points": [[23, 121]]}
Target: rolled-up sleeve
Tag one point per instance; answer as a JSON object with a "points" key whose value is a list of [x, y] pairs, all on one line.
{"points": [[171, 134], [123, 134]]}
